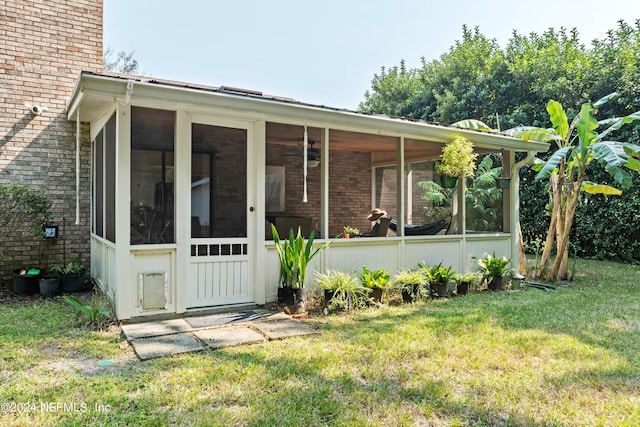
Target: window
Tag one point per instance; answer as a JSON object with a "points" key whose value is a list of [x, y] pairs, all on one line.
{"points": [[427, 205], [483, 200], [152, 176]]}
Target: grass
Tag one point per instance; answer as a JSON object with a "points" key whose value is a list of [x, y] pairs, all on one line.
{"points": [[517, 358]]}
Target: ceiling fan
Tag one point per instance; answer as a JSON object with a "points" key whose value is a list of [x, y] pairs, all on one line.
{"points": [[313, 154]]}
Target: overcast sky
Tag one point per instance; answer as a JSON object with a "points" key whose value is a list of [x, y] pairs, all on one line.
{"points": [[325, 52]]}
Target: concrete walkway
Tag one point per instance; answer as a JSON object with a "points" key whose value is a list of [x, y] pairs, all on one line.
{"points": [[163, 338]]}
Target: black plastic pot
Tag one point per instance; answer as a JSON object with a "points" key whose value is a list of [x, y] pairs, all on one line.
{"points": [[299, 295], [285, 296], [495, 284], [462, 288], [328, 296], [448, 181], [503, 183], [49, 285], [73, 282], [377, 294], [410, 294], [441, 290], [25, 284]]}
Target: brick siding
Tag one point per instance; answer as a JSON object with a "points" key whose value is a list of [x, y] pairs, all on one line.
{"points": [[45, 46], [349, 193]]}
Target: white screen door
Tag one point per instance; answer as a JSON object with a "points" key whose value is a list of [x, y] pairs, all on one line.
{"points": [[219, 258]]}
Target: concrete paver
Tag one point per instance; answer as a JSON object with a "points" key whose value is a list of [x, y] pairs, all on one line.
{"points": [[222, 319], [277, 330], [229, 336], [165, 345], [150, 329], [163, 338]]}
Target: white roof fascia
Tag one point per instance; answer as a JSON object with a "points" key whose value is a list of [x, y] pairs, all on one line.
{"points": [[201, 100]]}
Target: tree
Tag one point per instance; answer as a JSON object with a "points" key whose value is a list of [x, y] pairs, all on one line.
{"points": [[120, 62], [506, 87], [567, 169]]}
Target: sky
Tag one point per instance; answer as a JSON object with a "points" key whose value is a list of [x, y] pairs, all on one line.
{"points": [[326, 52]]}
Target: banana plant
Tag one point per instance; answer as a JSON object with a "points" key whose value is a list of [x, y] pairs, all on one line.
{"points": [[578, 145]]}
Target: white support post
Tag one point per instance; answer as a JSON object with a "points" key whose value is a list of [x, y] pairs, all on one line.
{"points": [[126, 291], [324, 183], [182, 153], [400, 187]]}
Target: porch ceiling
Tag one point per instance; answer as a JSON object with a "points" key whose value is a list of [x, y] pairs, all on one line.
{"points": [[292, 135]]}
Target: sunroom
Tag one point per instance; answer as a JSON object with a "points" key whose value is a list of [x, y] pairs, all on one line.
{"points": [[187, 180]]}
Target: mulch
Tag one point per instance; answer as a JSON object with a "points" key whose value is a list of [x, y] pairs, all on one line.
{"points": [[7, 296]]}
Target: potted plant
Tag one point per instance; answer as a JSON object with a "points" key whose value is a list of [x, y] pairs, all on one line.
{"points": [[376, 282], [493, 269], [72, 275], [456, 161], [466, 282], [409, 283], [23, 209], [342, 290], [349, 231], [25, 281], [503, 181], [438, 277], [50, 284], [294, 255]]}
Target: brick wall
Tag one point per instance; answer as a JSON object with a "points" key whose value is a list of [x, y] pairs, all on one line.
{"points": [[45, 46], [349, 187]]}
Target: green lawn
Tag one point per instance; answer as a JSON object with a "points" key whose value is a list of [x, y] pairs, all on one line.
{"points": [[518, 358]]}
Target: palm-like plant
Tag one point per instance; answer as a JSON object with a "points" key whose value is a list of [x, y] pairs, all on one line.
{"points": [[483, 199]]}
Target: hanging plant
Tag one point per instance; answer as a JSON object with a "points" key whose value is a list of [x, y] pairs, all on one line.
{"points": [[457, 159]]}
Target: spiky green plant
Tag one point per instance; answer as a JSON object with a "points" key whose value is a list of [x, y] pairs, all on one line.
{"points": [[347, 291], [295, 254]]}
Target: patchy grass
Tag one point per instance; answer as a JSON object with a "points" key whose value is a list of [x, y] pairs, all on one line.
{"points": [[523, 358]]}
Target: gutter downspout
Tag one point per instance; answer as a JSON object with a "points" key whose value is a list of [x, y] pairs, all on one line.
{"points": [[515, 211], [78, 166]]}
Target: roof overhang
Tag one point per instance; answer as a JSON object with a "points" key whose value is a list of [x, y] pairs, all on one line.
{"points": [[95, 94]]}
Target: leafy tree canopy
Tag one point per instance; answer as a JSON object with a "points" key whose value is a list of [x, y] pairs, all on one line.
{"points": [[509, 87], [121, 61]]}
